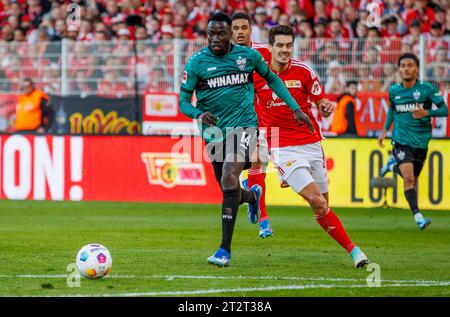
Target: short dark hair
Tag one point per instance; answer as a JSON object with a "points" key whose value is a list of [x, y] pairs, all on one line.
{"points": [[351, 82], [29, 80], [409, 55], [374, 28], [241, 16], [280, 30], [220, 17]]}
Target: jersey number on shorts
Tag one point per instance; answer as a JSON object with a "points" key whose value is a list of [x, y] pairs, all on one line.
{"points": [[245, 140]]}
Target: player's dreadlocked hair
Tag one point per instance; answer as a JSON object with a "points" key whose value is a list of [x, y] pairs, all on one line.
{"points": [[220, 17], [241, 16], [280, 30], [408, 55]]}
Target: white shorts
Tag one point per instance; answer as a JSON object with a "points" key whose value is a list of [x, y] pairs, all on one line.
{"points": [[309, 157]]}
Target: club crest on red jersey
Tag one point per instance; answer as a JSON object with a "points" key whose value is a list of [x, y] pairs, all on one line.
{"points": [[316, 89]]}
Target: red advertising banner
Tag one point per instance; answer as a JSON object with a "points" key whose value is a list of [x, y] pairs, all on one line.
{"points": [[125, 168], [371, 111], [161, 115]]}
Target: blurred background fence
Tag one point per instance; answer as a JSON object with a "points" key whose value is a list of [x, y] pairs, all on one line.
{"points": [[123, 68]]}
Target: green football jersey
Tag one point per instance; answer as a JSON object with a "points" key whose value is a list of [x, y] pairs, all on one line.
{"points": [[407, 130], [224, 86]]}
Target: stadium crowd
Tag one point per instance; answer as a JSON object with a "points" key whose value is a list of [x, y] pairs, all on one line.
{"points": [[342, 39]]}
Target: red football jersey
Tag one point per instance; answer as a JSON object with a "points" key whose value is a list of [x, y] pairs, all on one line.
{"points": [[258, 81], [282, 128]]}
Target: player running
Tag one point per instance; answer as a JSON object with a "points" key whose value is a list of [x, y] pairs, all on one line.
{"points": [[295, 150], [410, 110], [241, 29], [221, 75]]}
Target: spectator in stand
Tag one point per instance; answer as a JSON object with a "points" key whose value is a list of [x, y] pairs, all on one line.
{"points": [[447, 18], [153, 28], [425, 14], [158, 7], [178, 32], [284, 20], [335, 79], [250, 7], [390, 76], [159, 81], [413, 35], [439, 15], [344, 117], [19, 35], [373, 40], [297, 16], [51, 79], [275, 15], [320, 28], [393, 7], [167, 17], [86, 29], [33, 111], [224, 6], [4, 82], [390, 27], [350, 17], [336, 31], [201, 27], [436, 41], [167, 32], [305, 29], [319, 11], [140, 33], [323, 56], [60, 28], [20, 22], [118, 23], [11, 65], [260, 25], [111, 10], [111, 86], [361, 30], [409, 13], [71, 33], [82, 85]]}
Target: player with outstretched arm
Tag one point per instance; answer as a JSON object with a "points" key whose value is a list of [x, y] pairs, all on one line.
{"points": [[221, 76]]}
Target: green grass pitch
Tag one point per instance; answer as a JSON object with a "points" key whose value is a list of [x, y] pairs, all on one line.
{"points": [[161, 250]]}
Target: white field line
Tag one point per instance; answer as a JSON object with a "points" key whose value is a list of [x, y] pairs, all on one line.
{"points": [[246, 289], [238, 277]]}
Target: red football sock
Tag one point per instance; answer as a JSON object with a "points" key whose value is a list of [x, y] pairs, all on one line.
{"points": [[333, 226], [256, 176]]}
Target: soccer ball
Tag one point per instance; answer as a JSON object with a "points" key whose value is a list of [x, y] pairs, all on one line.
{"points": [[94, 261]]}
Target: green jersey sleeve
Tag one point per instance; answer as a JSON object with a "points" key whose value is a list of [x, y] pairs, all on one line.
{"points": [[438, 100], [188, 84], [390, 114]]}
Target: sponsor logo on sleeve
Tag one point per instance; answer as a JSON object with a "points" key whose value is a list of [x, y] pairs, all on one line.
{"points": [[316, 89]]}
